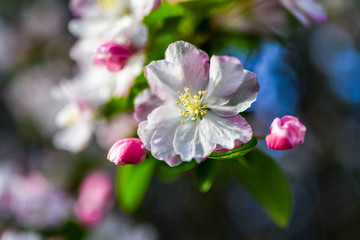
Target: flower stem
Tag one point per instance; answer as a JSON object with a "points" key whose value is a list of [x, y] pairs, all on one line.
{"points": [[260, 136]]}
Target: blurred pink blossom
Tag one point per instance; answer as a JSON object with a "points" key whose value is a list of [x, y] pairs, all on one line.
{"points": [[114, 56], [94, 197], [127, 151], [253, 17], [285, 133], [34, 201], [305, 11]]}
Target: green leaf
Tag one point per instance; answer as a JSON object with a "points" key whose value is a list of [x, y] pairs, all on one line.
{"points": [[155, 19], [132, 182], [266, 182], [240, 151], [168, 173], [114, 106], [205, 173]]}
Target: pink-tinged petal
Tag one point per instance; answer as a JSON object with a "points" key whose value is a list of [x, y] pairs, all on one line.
{"points": [[144, 104], [305, 10], [190, 143], [313, 9], [127, 151], [162, 140], [275, 142], [77, 7], [242, 99], [193, 62], [285, 133], [291, 6], [220, 149], [226, 75], [114, 56], [165, 79], [227, 132], [157, 117], [174, 160]]}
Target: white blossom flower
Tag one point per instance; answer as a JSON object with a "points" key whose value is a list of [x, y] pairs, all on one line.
{"points": [[75, 120], [200, 104], [93, 33], [110, 8]]}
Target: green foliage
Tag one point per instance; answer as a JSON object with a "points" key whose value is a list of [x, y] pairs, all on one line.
{"points": [[266, 182], [71, 230], [240, 151], [115, 105], [132, 182], [155, 20], [168, 173], [205, 173]]}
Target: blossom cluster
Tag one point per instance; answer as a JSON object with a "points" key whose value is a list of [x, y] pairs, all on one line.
{"points": [[154, 113], [192, 109], [208, 93], [109, 54]]}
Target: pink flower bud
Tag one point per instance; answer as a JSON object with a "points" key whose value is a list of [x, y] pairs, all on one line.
{"points": [[285, 133], [94, 197], [127, 151], [114, 56]]}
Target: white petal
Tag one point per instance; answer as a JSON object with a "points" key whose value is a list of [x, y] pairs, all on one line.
{"points": [[226, 75], [155, 119], [225, 132], [143, 7], [162, 140], [73, 138], [190, 143], [145, 103], [125, 78], [194, 64], [165, 79], [241, 99], [129, 32], [67, 115]]}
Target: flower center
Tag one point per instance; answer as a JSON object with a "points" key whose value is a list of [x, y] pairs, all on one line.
{"points": [[106, 4], [192, 105]]}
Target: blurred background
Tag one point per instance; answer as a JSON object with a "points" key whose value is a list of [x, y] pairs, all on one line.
{"points": [[309, 71]]}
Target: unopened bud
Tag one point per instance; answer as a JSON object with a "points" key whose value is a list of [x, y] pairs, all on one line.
{"points": [[114, 56], [285, 133], [127, 151]]}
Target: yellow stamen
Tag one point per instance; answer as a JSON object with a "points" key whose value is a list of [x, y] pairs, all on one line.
{"points": [[192, 105], [106, 4]]}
